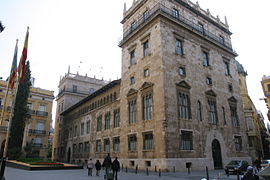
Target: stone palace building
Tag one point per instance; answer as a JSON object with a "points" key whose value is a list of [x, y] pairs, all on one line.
{"points": [[177, 103]]}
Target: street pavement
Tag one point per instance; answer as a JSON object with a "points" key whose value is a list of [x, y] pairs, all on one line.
{"points": [[81, 174]]}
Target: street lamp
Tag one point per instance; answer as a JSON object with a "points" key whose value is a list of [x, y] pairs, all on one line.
{"points": [[1, 27]]}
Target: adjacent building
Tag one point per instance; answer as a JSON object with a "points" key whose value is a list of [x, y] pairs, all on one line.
{"points": [[72, 89], [37, 128], [178, 102], [266, 90], [253, 118]]}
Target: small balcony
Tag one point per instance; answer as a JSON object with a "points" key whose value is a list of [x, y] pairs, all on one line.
{"points": [[37, 145], [3, 129], [31, 112], [42, 113], [37, 132]]}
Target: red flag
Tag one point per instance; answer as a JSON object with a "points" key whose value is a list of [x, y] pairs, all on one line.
{"points": [[22, 67], [13, 71]]}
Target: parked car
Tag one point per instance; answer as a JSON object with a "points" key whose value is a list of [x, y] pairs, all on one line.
{"points": [[265, 163], [236, 165]]}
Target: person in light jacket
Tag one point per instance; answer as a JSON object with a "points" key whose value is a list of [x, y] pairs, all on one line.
{"points": [[90, 166]]}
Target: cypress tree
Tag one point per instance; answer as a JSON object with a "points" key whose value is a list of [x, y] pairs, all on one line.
{"points": [[20, 115]]}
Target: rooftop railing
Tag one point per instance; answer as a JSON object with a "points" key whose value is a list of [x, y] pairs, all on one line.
{"points": [[41, 113], [161, 9]]}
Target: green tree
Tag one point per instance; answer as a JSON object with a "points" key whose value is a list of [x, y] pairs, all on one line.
{"points": [[19, 116]]}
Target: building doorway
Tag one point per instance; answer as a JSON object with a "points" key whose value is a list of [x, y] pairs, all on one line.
{"points": [[68, 155], [216, 154]]}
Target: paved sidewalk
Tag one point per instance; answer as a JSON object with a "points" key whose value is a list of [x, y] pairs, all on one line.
{"points": [[81, 174]]}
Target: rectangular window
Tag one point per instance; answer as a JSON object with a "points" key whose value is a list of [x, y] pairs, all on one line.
{"points": [[80, 147], [82, 129], [184, 111], [132, 143], [116, 144], [132, 80], [250, 141], [175, 13], [99, 123], [268, 87], [186, 140], [133, 26], [75, 131], [201, 27], [199, 110], [132, 111], [107, 145], [227, 68], [182, 71], [107, 120], [224, 115], [221, 39], [42, 108], [146, 48], [234, 116], [132, 57], [209, 81], [74, 148], [87, 127], [146, 73], [116, 118], [212, 112], [179, 47], [205, 59], [147, 107], [98, 145], [230, 88], [146, 15], [238, 143], [148, 141], [86, 147], [74, 88]]}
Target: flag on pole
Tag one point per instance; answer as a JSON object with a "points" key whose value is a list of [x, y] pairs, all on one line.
{"points": [[13, 71], [22, 66]]}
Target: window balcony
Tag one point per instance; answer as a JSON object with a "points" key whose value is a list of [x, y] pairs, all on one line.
{"points": [[160, 9], [31, 112], [37, 132], [37, 145], [3, 129], [41, 113]]}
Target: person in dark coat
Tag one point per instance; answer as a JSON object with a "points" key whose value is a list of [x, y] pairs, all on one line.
{"points": [[98, 167], [249, 175], [115, 167], [107, 164]]}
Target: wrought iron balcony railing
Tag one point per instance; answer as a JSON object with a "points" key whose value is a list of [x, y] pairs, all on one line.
{"points": [[3, 128], [36, 131], [41, 113], [37, 145], [31, 112], [161, 9]]}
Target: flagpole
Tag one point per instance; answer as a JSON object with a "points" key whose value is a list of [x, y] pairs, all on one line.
{"points": [[8, 83], [11, 117]]}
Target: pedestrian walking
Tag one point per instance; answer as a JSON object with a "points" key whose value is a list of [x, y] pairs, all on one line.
{"points": [[115, 168], [107, 165], [90, 166], [249, 175], [98, 167], [257, 163]]}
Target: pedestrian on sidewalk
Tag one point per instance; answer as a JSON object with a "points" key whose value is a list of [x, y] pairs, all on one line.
{"points": [[90, 166], [107, 165], [115, 168], [98, 167]]}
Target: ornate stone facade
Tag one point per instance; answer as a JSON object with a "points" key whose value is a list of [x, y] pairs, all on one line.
{"points": [[179, 96]]}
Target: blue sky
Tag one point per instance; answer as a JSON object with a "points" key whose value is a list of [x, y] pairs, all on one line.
{"points": [[85, 34]]}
